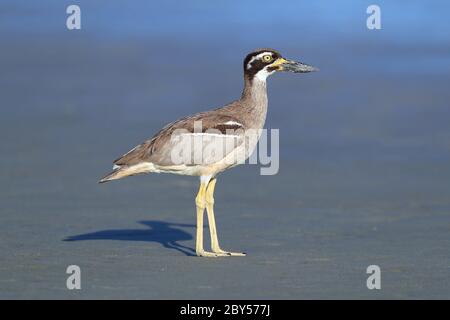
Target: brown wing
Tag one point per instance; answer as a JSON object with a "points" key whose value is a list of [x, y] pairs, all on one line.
{"points": [[157, 149]]}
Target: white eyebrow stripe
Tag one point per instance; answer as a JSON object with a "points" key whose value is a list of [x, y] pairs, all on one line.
{"points": [[249, 64]]}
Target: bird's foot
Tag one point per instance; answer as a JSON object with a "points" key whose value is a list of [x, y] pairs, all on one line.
{"points": [[203, 253], [224, 253], [219, 253]]}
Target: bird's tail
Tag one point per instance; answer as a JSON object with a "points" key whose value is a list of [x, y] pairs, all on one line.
{"points": [[113, 175], [120, 172]]}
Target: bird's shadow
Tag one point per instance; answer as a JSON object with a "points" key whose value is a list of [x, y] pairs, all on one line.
{"points": [[166, 233]]}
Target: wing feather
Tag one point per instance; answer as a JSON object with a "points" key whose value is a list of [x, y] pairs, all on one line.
{"points": [[157, 149]]}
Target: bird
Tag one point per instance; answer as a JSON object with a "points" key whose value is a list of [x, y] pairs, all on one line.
{"points": [[207, 143]]}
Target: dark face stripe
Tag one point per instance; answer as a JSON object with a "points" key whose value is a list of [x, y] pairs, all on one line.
{"points": [[257, 64]]}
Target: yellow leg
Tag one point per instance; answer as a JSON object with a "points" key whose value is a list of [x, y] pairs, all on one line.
{"points": [[200, 203], [209, 200]]}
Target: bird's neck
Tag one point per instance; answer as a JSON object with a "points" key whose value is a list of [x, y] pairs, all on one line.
{"points": [[254, 101], [254, 96], [255, 89]]}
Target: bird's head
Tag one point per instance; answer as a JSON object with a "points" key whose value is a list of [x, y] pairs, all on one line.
{"points": [[262, 63]]}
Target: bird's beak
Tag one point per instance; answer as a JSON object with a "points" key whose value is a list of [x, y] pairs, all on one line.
{"points": [[282, 64]]}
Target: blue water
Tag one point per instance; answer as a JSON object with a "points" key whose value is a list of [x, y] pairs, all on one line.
{"points": [[387, 87], [404, 22]]}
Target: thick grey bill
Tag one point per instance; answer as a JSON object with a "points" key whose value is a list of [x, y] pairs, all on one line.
{"points": [[298, 67]]}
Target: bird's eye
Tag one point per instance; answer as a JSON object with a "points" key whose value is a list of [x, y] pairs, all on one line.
{"points": [[267, 58]]}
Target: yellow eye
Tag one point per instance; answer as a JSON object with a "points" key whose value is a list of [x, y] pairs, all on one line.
{"points": [[267, 58]]}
